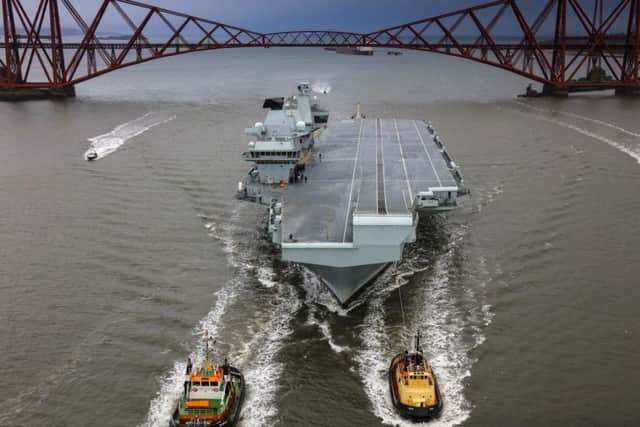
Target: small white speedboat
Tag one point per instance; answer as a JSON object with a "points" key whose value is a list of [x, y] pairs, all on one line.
{"points": [[91, 155]]}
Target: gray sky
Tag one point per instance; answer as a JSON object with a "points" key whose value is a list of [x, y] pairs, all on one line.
{"points": [[277, 15], [281, 15]]}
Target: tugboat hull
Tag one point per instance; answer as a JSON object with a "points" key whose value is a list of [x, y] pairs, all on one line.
{"points": [[411, 412], [233, 415]]}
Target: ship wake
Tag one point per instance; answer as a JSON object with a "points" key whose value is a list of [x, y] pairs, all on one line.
{"points": [[320, 302], [630, 145], [161, 407], [107, 143], [432, 296], [251, 342]]}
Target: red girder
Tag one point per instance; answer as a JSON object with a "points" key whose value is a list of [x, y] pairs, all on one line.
{"points": [[555, 59]]}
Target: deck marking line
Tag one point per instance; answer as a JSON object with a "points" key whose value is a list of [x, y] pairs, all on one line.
{"points": [[377, 178], [353, 179], [404, 164], [428, 155]]}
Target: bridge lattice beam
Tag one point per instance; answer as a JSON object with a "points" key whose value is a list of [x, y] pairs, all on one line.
{"points": [[540, 47]]}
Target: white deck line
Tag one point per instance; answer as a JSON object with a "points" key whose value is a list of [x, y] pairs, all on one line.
{"points": [[386, 205], [404, 199], [353, 178], [404, 164], [427, 151], [376, 125]]}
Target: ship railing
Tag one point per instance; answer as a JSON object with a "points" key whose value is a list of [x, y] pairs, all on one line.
{"points": [[198, 423]]}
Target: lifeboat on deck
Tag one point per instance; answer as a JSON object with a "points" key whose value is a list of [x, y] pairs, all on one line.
{"points": [[413, 385]]}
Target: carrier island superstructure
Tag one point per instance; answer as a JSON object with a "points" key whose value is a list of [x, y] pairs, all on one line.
{"points": [[345, 196]]}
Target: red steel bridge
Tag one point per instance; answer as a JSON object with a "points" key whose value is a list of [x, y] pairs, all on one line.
{"points": [[567, 45]]}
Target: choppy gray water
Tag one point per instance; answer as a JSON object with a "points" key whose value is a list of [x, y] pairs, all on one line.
{"points": [[528, 294]]}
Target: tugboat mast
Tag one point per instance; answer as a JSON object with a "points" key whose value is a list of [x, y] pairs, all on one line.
{"points": [[418, 349], [207, 360]]}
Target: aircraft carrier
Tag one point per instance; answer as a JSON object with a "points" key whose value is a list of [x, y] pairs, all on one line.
{"points": [[345, 196]]}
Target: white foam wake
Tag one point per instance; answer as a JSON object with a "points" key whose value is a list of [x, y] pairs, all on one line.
{"points": [[444, 325], [162, 405], [484, 196], [267, 334], [107, 143], [321, 87], [317, 293], [267, 331], [632, 152], [171, 385], [444, 322], [372, 361], [585, 118], [263, 371]]}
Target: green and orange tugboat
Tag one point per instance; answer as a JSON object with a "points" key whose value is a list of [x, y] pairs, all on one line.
{"points": [[212, 395], [414, 388]]}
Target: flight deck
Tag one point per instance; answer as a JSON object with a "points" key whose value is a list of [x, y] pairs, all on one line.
{"points": [[372, 167]]}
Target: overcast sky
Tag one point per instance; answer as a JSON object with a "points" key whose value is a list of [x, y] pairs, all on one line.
{"points": [[280, 15], [277, 15]]}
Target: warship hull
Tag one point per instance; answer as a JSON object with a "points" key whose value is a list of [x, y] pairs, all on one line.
{"points": [[354, 51], [367, 185], [346, 282], [356, 194]]}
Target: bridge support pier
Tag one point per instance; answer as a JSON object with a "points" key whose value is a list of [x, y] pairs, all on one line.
{"points": [[628, 91], [34, 93], [548, 90]]}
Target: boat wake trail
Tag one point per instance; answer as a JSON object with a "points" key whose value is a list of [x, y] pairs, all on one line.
{"points": [[171, 384], [320, 302], [450, 317], [485, 195], [317, 294], [250, 321], [581, 117], [373, 358], [631, 147], [263, 370], [107, 143], [323, 87]]}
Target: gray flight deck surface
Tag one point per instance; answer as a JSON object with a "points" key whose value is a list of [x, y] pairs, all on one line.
{"points": [[368, 166]]}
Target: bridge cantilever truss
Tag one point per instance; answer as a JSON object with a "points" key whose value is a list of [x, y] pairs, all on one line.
{"points": [[561, 45]]}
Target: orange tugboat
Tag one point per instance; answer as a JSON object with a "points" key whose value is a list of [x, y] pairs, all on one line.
{"points": [[212, 395], [413, 385]]}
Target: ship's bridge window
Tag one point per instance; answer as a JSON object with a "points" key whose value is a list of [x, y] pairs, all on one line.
{"points": [[196, 383], [214, 383], [205, 383]]}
